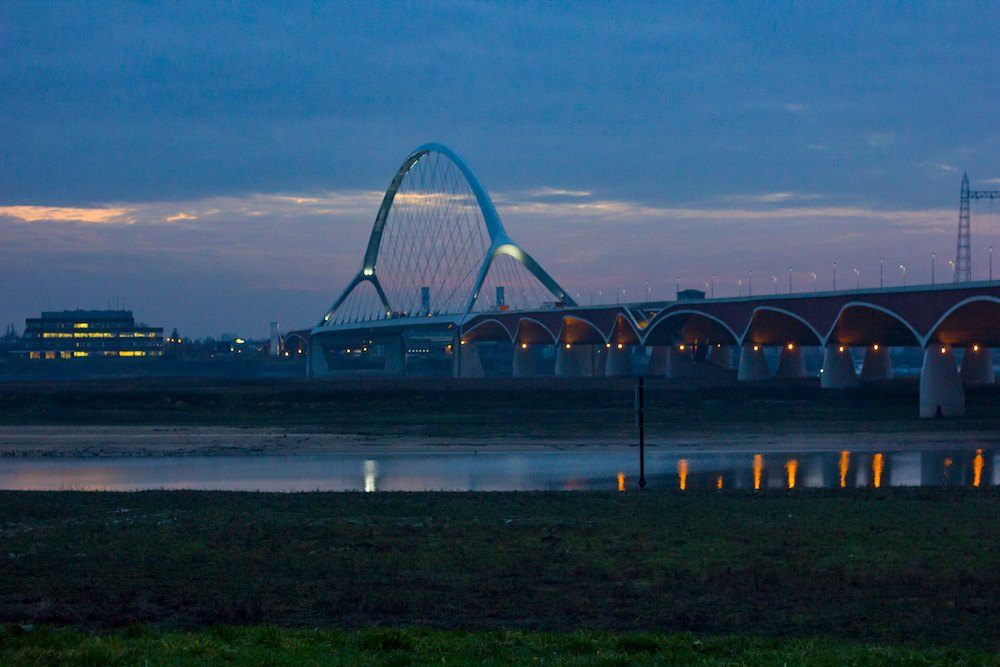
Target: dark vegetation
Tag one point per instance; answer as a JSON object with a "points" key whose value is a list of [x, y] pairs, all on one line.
{"points": [[895, 566], [274, 646], [543, 407]]}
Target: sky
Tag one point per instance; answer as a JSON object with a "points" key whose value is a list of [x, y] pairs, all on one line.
{"points": [[215, 167]]}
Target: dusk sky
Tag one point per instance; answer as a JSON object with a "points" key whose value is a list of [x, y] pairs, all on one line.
{"points": [[216, 167]]}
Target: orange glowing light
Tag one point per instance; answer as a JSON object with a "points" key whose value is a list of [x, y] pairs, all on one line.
{"points": [[845, 463], [878, 464], [682, 473], [948, 462], [524, 346], [463, 342], [568, 346], [756, 348], [875, 347], [681, 348], [621, 481], [791, 346], [975, 348], [977, 469], [609, 345], [620, 346], [943, 350], [718, 482], [791, 468], [840, 349], [758, 467]]}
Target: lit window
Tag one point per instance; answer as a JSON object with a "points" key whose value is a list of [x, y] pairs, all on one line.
{"points": [[81, 325]]}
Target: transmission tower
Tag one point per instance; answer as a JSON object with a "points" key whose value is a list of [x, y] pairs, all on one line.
{"points": [[963, 249]]}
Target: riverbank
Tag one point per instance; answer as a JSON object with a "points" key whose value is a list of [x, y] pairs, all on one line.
{"points": [[145, 441], [275, 646], [599, 409], [897, 566]]}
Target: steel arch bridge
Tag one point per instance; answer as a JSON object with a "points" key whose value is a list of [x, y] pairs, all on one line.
{"points": [[439, 250]]}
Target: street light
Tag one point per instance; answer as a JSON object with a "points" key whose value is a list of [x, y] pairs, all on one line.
{"points": [[902, 267], [813, 274], [991, 262], [774, 278], [647, 291], [834, 276], [739, 281], [789, 280], [713, 286], [749, 283], [618, 292], [933, 277], [951, 265], [881, 272], [857, 277]]}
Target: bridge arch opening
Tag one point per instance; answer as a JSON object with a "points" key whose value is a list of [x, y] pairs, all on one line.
{"points": [[532, 332], [580, 331], [975, 321], [860, 323], [688, 326], [487, 330], [776, 326]]}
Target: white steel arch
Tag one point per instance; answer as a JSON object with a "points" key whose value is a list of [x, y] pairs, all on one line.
{"points": [[496, 243]]}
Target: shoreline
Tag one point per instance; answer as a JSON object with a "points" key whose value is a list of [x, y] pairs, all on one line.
{"points": [[156, 441]]}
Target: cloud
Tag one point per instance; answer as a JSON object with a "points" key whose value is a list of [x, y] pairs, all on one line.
{"points": [[558, 192], [771, 197], [103, 216]]}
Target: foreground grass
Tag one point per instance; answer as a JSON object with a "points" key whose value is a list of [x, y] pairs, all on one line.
{"points": [[268, 645], [908, 567], [543, 407]]}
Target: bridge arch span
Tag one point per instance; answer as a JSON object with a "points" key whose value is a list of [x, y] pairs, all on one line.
{"points": [[533, 332], [578, 330], [688, 325], [865, 323], [488, 329], [975, 320], [438, 248], [770, 325]]}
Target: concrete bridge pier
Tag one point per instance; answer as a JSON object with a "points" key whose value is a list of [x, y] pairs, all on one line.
{"points": [[941, 393], [838, 368], [722, 356], [877, 365], [977, 366], [680, 363], [467, 363], [395, 357], [753, 364], [618, 360], [317, 365], [574, 360], [524, 364], [657, 365], [791, 363]]}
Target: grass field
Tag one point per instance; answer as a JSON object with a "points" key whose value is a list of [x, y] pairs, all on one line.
{"points": [[270, 645], [446, 407], [900, 567]]}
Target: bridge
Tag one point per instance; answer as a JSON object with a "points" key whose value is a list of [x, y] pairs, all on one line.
{"points": [[443, 289]]}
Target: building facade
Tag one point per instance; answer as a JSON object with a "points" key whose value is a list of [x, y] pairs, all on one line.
{"points": [[80, 334]]}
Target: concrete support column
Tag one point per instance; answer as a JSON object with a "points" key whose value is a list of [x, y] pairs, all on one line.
{"points": [[941, 392], [791, 363], [753, 364], [573, 360], [467, 363], [598, 357], [977, 366], [318, 367], [395, 357], [524, 365], [680, 364], [657, 360], [618, 361], [876, 365], [722, 356], [838, 368]]}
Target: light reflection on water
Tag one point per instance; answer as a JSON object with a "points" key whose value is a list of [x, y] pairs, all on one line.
{"points": [[505, 471]]}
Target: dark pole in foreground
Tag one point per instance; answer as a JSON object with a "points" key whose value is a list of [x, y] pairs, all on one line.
{"points": [[639, 404]]}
